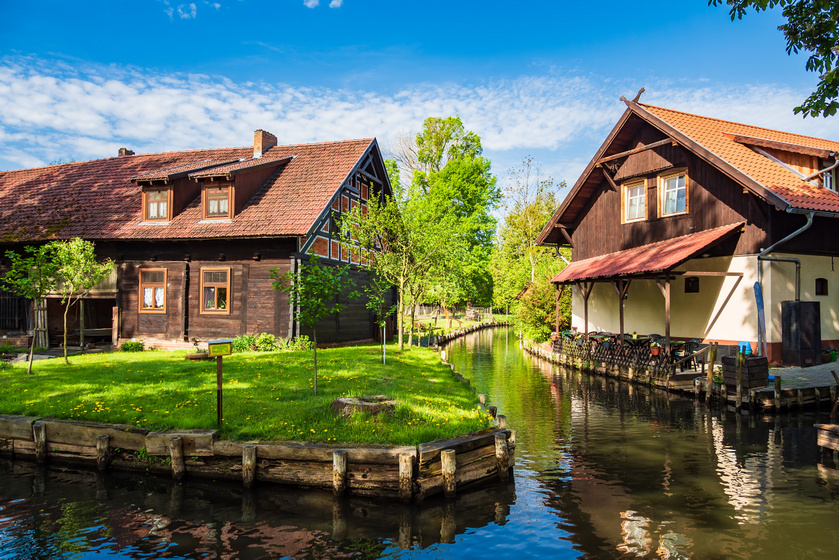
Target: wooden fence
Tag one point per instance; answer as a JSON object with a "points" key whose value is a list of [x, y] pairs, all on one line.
{"points": [[403, 473]]}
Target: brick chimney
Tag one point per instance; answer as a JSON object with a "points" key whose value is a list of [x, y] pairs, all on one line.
{"points": [[262, 140], [125, 152]]}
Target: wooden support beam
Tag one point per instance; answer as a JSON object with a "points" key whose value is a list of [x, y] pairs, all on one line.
{"points": [[39, 434], [609, 179], [637, 150], [665, 291], [176, 453], [564, 231], [103, 452], [248, 465], [585, 289], [706, 273], [621, 288]]}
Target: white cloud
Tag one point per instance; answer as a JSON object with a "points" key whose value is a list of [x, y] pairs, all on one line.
{"points": [[336, 3], [311, 3], [187, 11], [52, 111]]}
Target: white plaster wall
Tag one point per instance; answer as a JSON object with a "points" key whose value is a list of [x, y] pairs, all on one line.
{"points": [[724, 308], [779, 285]]}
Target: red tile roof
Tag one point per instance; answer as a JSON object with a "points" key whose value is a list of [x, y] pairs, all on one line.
{"points": [[232, 169], [170, 173], [97, 199], [715, 135], [655, 257]]}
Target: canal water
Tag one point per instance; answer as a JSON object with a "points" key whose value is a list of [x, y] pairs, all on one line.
{"points": [[604, 469]]}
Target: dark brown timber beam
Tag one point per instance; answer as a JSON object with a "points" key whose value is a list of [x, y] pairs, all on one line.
{"points": [[637, 150]]}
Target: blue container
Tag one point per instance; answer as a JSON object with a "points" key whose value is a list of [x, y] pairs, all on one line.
{"points": [[744, 347]]}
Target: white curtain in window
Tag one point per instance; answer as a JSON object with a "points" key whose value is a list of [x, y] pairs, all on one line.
{"points": [[148, 298], [158, 298]]}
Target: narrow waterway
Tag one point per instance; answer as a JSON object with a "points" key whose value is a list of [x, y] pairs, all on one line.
{"points": [[604, 470]]}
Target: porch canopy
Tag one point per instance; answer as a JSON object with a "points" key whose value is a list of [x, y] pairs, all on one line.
{"points": [[655, 260]]}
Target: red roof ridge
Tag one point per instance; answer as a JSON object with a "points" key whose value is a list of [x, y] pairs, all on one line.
{"points": [[726, 121]]}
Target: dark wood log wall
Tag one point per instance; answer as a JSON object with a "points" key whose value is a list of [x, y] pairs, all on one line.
{"points": [[714, 200]]}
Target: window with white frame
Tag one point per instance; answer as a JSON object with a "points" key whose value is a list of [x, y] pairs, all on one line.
{"points": [[674, 194], [635, 202]]}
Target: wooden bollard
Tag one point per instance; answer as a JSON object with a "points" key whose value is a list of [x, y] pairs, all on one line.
{"points": [[777, 391], [406, 477], [39, 434], [501, 420], [493, 410], [511, 449], [449, 463], [103, 452], [248, 465], [502, 456], [482, 398], [741, 360], [176, 452], [339, 472], [709, 381]]}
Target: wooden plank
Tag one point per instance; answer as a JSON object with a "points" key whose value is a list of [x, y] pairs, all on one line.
{"points": [[195, 442], [434, 468], [85, 433], [16, 427], [430, 451], [323, 453], [315, 474]]}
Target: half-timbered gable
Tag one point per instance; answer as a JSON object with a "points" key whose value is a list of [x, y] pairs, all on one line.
{"points": [[711, 207], [196, 234]]}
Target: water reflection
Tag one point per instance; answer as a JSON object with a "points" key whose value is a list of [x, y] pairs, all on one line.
{"points": [[57, 511], [604, 469], [635, 472]]}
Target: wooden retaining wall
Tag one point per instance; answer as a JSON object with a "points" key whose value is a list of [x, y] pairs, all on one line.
{"points": [[445, 338], [774, 400], [403, 473]]}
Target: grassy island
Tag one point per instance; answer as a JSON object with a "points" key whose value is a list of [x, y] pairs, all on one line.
{"points": [[267, 396]]}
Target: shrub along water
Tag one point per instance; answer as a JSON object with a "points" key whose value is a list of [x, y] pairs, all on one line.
{"points": [[267, 396]]}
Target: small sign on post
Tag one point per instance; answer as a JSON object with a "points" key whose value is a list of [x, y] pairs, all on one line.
{"points": [[217, 349]]}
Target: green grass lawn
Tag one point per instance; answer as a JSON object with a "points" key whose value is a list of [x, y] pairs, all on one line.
{"points": [[267, 396]]}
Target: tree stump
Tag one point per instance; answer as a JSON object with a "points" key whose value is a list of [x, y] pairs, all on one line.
{"points": [[370, 404]]}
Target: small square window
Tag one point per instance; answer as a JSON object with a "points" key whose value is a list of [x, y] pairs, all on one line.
{"points": [[217, 202], [691, 284], [674, 194], [821, 286], [156, 205]]}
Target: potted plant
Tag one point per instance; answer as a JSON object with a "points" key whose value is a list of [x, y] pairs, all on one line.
{"points": [[655, 348]]}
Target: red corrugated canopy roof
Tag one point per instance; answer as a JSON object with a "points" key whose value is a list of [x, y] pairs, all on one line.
{"points": [[655, 257]]}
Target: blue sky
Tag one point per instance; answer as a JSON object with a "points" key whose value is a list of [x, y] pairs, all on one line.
{"points": [[80, 79]]}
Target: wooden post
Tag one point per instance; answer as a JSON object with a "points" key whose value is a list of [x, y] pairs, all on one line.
{"points": [[248, 465], [709, 383], [449, 464], [406, 477], [502, 456], [511, 449], [176, 452], [501, 420], [103, 452], [115, 326], [665, 291], [219, 415], [493, 410], [39, 433], [586, 288], [777, 395], [741, 360], [339, 472]]}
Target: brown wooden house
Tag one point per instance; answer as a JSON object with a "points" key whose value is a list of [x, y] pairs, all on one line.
{"points": [[195, 235], [677, 217]]}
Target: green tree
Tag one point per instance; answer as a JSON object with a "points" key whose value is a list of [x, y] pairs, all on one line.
{"points": [[78, 272], [535, 312], [812, 26], [315, 289], [377, 302], [529, 201], [32, 277]]}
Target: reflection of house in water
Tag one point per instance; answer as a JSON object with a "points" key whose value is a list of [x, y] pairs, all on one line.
{"points": [[648, 474]]}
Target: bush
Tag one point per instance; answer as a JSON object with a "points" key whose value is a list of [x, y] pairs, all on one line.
{"points": [[132, 346], [11, 349], [302, 342], [266, 342], [244, 343], [5, 365]]}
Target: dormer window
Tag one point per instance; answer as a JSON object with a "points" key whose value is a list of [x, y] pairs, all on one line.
{"points": [[217, 202], [156, 205]]}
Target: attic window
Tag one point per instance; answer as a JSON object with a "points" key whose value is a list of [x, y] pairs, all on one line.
{"points": [[217, 202], [674, 194], [156, 205]]}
